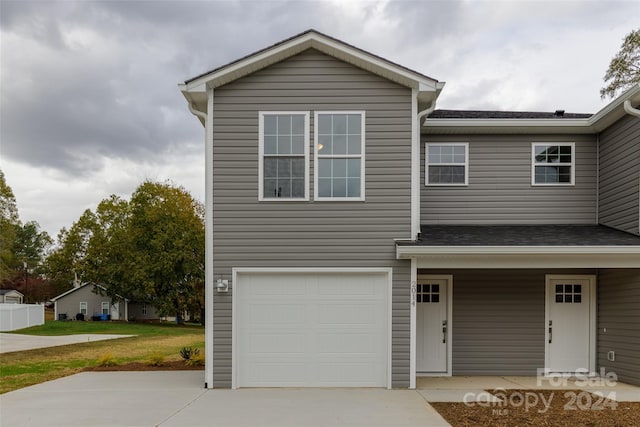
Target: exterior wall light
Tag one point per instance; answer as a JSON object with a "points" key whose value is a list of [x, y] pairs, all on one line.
{"points": [[222, 285]]}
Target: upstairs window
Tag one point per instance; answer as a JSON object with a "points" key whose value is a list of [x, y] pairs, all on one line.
{"points": [[284, 156], [339, 154], [553, 164], [446, 164]]}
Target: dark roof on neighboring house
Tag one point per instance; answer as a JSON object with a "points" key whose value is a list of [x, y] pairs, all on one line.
{"points": [[478, 114], [6, 291], [522, 235]]}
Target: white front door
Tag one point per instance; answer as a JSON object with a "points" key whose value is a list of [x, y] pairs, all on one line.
{"points": [[432, 325], [569, 324]]}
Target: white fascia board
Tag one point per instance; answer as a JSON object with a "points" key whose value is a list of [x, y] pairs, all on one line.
{"points": [[405, 252], [319, 42]]}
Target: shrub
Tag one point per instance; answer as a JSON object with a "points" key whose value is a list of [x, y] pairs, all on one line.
{"points": [[195, 360], [156, 359], [189, 353], [106, 359]]}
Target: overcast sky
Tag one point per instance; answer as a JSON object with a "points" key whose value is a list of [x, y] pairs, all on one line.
{"points": [[90, 105]]}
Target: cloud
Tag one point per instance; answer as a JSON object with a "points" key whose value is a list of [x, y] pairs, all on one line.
{"points": [[89, 104]]}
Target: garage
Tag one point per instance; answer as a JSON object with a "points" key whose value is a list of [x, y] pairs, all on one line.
{"points": [[311, 328]]}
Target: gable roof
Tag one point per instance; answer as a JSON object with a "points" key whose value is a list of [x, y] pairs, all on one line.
{"points": [[7, 291], [194, 89], [72, 290]]}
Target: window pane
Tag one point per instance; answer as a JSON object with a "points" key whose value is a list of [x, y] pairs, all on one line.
{"points": [[355, 144], [297, 145], [284, 187], [446, 175], [353, 187], [339, 144], [339, 124], [567, 298], [270, 167], [297, 168], [559, 298], [339, 168], [270, 187], [353, 168], [435, 298], [435, 288], [324, 144], [324, 187], [284, 168], [577, 289], [459, 154], [324, 168], [284, 144], [577, 298], [339, 187], [567, 288], [434, 154], [354, 124], [446, 154], [284, 124], [270, 145], [553, 174], [270, 125], [297, 125], [297, 188], [324, 124], [558, 288]]}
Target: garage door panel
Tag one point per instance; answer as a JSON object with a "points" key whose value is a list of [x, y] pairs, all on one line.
{"points": [[331, 330]]}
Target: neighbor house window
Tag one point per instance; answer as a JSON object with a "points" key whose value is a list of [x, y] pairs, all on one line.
{"points": [[446, 163], [284, 156], [105, 308], [144, 308], [553, 164], [83, 308], [339, 155]]}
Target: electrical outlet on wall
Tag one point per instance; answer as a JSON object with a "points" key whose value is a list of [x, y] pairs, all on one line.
{"points": [[611, 356]]}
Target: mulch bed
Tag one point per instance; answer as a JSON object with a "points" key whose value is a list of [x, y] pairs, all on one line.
{"points": [[550, 408], [174, 365]]}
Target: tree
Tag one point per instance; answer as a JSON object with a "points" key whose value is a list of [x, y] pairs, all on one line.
{"points": [[9, 220], [624, 69], [150, 248]]}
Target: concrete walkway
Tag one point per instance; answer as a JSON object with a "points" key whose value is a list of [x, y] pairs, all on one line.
{"points": [[177, 399], [18, 342]]}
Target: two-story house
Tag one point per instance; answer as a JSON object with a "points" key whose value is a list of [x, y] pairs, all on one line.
{"points": [[358, 237]]}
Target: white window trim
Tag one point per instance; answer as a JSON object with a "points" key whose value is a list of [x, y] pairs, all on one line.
{"points": [[466, 164], [86, 308], [261, 197], [572, 165], [361, 156]]}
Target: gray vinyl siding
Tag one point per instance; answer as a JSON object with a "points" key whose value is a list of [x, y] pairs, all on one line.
{"points": [[248, 233], [619, 204], [70, 304], [619, 313], [498, 320], [135, 312], [500, 190]]}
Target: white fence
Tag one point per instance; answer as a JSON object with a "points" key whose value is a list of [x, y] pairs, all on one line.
{"points": [[18, 316]]}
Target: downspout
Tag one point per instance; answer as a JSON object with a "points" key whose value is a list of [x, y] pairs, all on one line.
{"points": [[630, 110], [208, 186]]}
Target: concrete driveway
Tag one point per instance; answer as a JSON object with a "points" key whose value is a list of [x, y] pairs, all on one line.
{"points": [[19, 342], [178, 399]]}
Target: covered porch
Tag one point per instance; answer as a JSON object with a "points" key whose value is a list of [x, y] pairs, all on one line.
{"points": [[507, 301]]}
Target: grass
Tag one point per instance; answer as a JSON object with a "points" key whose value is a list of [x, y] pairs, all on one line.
{"points": [[24, 368]]}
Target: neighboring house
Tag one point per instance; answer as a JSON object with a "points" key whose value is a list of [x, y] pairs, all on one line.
{"points": [[85, 299], [11, 296], [356, 237], [142, 312]]}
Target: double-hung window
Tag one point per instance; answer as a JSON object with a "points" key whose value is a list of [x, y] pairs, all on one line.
{"points": [[83, 308], [339, 155], [553, 163], [446, 163], [105, 308], [284, 156]]}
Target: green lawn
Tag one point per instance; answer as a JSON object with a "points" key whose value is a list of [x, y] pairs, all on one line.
{"points": [[23, 368]]}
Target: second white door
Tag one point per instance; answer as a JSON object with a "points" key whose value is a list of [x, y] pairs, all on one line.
{"points": [[432, 325]]}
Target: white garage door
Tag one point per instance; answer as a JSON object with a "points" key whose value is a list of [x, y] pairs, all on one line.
{"points": [[311, 329]]}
